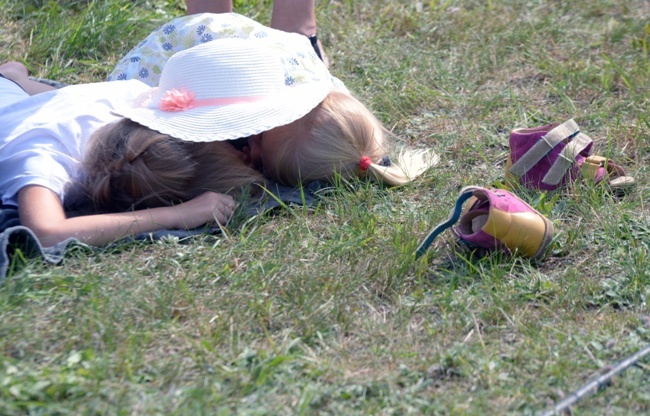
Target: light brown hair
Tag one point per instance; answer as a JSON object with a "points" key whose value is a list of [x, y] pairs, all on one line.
{"points": [[129, 166]]}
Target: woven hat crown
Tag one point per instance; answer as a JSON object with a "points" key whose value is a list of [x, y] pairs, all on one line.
{"points": [[240, 69]]}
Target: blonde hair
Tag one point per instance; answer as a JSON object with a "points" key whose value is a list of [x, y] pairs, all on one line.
{"points": [[332, 139], [129, 166]]}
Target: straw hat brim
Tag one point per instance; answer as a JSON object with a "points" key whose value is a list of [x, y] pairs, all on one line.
{"points": [[232, 121]]}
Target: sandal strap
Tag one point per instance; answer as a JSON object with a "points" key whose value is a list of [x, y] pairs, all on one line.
{"points": [[454, 215], [566, 159], [565, 131]]}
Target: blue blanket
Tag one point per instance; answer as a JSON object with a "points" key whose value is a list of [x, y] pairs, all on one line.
{"points": [[17, 240]]}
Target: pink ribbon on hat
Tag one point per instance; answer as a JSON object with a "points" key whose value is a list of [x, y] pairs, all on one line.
{"points": [[183, 100]]}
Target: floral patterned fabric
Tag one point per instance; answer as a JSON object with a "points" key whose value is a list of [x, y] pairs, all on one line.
{"points": [[146, 61]]}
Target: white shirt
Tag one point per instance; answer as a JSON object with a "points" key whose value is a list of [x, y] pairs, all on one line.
{"points": [[43, 137]]}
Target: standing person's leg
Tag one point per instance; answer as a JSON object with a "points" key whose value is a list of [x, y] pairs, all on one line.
{"points": [[208, 6], [289, 15], [298, 16]]}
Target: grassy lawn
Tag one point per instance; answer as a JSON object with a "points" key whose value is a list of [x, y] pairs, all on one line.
{"points": [[323, 310]]}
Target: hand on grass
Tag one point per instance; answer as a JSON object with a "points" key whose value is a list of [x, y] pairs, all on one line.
{"points": [[207, 208]]}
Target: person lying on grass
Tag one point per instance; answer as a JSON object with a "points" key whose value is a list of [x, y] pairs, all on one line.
{"points": [[158, 158], [303, 153]]}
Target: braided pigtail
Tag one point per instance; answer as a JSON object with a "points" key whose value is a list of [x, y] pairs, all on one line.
{"points": [[129, 166]]}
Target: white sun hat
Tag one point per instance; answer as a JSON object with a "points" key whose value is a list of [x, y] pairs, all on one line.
{"points": [[231, 88]]}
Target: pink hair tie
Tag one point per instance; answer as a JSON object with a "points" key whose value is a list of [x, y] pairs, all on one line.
{"points": [[365, 163]]}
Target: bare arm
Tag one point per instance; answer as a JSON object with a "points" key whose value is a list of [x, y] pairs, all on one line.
{"points": [[41, 211]]}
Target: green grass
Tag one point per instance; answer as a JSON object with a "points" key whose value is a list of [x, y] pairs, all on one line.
{"points": [[322, 310]]}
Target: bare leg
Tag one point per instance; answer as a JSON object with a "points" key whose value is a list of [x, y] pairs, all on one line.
{"points": [[297, 16], [208, 6], [18, 73]]}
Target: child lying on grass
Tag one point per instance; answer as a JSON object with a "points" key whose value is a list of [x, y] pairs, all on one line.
{"points": [[149, 158]]}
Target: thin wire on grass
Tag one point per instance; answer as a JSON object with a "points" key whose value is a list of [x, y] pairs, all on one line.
{"points": [[597, 384]]}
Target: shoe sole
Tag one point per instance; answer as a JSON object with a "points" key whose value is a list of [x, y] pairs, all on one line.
{"points": [[549, 232]]}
